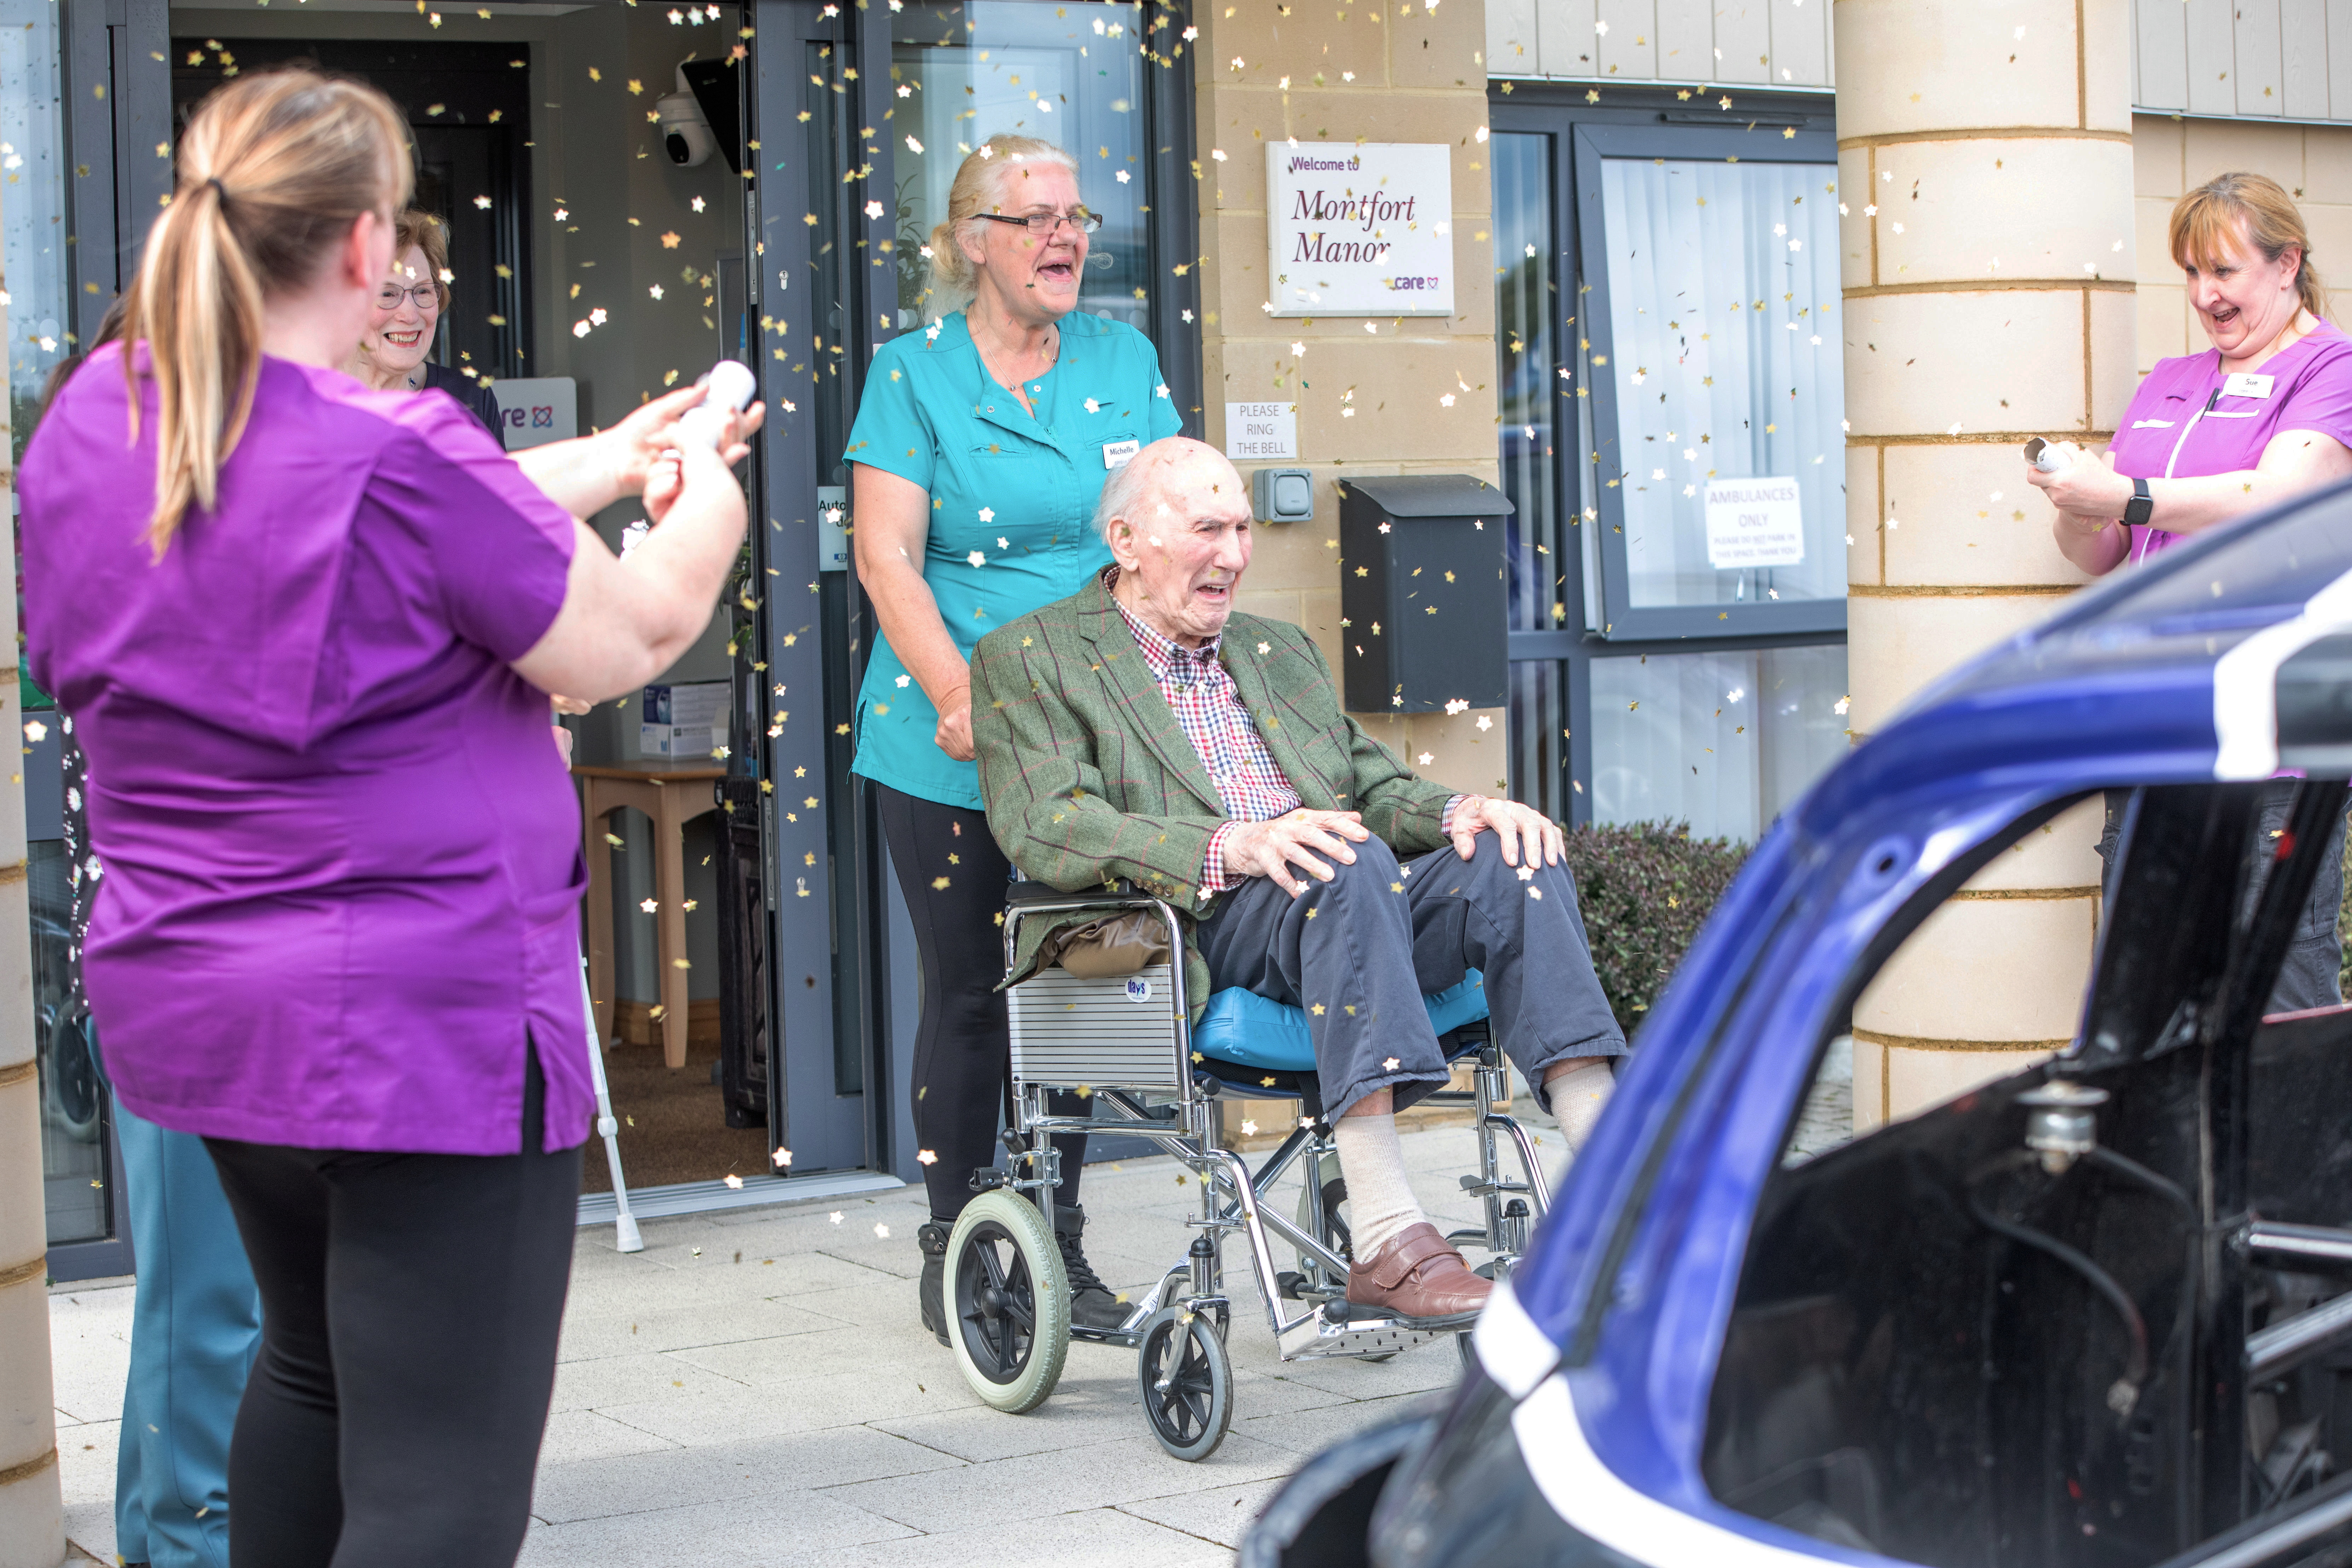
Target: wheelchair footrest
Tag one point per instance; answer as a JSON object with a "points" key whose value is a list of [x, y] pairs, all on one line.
{"points": [[1322, 1335]]}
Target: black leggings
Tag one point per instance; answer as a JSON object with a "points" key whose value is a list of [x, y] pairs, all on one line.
{"points": [[410, 1305], [963, 1048]]}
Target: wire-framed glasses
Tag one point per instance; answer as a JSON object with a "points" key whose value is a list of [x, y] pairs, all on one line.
{"points": [[426, 295], [1043, 224]]}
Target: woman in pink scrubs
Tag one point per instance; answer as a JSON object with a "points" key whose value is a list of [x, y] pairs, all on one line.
{"points": [[2264, 415], [307, 632]]}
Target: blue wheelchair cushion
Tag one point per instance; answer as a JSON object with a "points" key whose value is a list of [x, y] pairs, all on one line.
{"points": [[1257, 1031]]}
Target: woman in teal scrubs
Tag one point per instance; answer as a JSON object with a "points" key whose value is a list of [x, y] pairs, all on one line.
{"points": [[980, 446]]}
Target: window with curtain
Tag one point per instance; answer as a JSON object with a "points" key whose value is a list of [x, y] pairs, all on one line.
{"points": [[1070, 75], [1726, 740], [1723, 358]]}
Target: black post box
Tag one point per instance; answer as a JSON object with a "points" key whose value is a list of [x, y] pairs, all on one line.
{"points": [[1421, 586]]}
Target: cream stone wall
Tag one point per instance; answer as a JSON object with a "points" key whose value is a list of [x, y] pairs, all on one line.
{"points": [[1987, 257], [1374, 395], [2173, 155], [32, 1516]]}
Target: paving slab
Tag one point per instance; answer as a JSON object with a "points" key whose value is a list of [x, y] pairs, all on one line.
{"points": [[676, 1478], [700, 1534], [1016, 1491], [1221, 1515], [1091, 1538]]}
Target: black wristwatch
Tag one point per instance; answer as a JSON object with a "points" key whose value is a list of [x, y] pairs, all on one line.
{"points": [[2141, 507]]}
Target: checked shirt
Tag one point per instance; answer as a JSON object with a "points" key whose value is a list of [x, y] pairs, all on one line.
{"points": [[1208, 707]]}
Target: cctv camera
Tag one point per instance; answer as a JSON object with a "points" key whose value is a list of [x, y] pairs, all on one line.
{"points": [[685, 134]]}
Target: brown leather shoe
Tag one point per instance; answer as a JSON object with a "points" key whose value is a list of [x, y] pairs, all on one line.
{"points": [[1417, 1276]]}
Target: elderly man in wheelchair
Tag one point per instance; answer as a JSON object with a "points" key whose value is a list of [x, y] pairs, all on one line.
{"points": [[1146, 750]]}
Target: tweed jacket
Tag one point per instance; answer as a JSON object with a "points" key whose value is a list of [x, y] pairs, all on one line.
{"points": [[1088, 778]]}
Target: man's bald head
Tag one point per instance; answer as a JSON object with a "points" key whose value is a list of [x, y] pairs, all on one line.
{"points": [[1177, 519]]}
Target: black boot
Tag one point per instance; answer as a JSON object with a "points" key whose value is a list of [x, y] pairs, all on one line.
{"points": [[1092, 1303], [933, 1239]]}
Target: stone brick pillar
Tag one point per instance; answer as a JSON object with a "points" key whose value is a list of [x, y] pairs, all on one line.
{"points": [[32, 1518], [1985, 172], [1375, 396]]}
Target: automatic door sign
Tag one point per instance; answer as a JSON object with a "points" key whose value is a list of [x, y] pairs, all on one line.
{"points": [[1361, 230], [1139, 989], [1754, 522]]}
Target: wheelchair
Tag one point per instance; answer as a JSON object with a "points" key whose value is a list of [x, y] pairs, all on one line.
{"points": [[1129, 1044]]}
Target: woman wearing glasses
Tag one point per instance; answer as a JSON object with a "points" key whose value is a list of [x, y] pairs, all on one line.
{"points": [[980, 446], [396, 353]]}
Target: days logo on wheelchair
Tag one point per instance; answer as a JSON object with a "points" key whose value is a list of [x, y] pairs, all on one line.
{"points": [[1139, 989]]}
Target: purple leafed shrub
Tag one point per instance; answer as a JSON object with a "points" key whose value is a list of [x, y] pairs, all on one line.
{"points": [[1644, 887]]}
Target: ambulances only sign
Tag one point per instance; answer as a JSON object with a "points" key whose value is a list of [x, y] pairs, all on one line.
{"points": [[1361, 230]]}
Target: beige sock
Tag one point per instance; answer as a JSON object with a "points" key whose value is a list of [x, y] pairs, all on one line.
{"points": [[1577, 1098], [1380, 1205]]}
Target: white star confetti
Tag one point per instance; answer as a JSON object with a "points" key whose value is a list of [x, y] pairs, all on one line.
{"points": [[734, 1181], [988, 514], [783, 1157], [649, 906], [883, 1231], [924, 1156], [656, 290], [903, 680], [1389, 1065], [873, 209], [977, 559], [835, 1217]]}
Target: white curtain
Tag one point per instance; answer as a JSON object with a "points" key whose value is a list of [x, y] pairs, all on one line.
{"points": [[1724, 353], [1726, 740]]}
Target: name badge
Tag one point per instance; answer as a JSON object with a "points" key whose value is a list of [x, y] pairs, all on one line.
{"points": [[1115, 454], [2245, 384]]}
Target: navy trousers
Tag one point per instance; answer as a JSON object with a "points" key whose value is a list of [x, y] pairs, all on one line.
{"points": [[1358, 953]]}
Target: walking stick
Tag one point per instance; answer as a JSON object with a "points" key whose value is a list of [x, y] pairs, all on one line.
{"points": [[625, 1224]]}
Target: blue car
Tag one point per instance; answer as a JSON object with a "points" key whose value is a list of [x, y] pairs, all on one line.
{"points": [[2095, 1314]]}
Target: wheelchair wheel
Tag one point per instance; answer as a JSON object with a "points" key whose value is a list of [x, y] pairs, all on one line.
{"points": [[1008, 1303], [1188, 1383]]}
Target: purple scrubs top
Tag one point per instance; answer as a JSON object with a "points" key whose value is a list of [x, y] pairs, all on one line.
{"points": [[2183, 425], [341, 854]]}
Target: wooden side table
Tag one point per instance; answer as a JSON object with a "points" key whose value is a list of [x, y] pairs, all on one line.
{"points": [[671, 795]]}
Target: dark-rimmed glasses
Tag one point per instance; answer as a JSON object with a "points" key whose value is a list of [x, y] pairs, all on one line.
{"points": [[1043, 224]]}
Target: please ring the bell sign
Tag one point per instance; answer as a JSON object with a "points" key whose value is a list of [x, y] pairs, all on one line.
{"points": [[1360, 229]]}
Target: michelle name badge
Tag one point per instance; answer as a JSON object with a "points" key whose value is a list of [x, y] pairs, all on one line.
{"points": [[2245, 384], [1115, 454]]}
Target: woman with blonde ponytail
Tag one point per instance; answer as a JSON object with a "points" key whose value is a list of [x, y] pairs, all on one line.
{"points": [[980, 446], [307, 632]]}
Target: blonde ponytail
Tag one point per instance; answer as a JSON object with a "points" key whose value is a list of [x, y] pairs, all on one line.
{"points": [[979, 185], [274, 169]]}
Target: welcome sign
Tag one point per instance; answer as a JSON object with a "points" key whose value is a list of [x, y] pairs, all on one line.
{"points": [[1361, 230]]}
